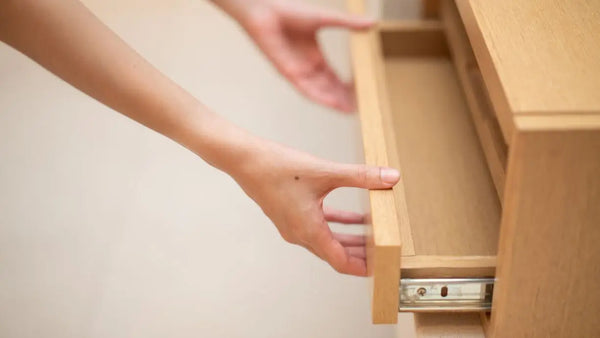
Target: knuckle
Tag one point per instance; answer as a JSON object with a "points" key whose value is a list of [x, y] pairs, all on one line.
{"points": [[362, 173]]}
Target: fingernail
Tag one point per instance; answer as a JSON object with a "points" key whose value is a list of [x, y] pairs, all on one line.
{"points": [[389, 175]]}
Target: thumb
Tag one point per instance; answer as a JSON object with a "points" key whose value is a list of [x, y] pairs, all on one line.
{"points": [[367, 177], [336, 19]]}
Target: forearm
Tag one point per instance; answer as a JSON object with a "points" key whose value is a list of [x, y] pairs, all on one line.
{"points": [[68, 40]]}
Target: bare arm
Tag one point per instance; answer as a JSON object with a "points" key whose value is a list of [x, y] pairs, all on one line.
{"points": [[68, 40], [64, 37]]}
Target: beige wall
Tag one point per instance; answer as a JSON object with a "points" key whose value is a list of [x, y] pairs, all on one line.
{"points": [[110, 230]]}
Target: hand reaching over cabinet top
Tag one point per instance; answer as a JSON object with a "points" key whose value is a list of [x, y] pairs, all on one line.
{"points": [[286, 32]]}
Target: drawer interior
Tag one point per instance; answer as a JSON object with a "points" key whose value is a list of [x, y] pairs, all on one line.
{"points": [[452, 205], [484, 117]]}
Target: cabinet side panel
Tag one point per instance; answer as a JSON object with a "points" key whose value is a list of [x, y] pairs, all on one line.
{"points": [[435, 325], [549, 252]]}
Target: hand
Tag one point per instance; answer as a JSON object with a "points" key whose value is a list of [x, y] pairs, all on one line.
{"points": [[286, 32], [290, 187]]}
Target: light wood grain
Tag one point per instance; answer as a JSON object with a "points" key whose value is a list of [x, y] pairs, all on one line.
{"points": [[384, 241], [430, 8], [448, 266], [442, 218], [548, 271], [558, 122], [537, 57], [485, 322], [448, 325], [413, 38], [407, 247], [452, 203], [540, 66], [484, 118]]}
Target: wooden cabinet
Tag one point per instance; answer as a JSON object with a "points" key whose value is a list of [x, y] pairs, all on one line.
{"points": [[491, 110]]}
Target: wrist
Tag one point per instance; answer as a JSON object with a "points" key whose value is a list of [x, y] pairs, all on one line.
{"points": [[219, 142]]}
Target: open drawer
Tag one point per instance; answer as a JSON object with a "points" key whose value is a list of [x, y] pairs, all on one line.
{"points": [[442, 220]]}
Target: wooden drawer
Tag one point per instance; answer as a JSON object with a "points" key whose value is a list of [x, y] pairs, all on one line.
{"points": [[423, 111], [426, 109]]}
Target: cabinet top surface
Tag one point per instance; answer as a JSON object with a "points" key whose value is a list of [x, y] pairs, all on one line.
{"points": [[546, 53]]}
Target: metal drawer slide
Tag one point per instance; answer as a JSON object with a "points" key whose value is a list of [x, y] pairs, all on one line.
{"points": [[446, 294]]}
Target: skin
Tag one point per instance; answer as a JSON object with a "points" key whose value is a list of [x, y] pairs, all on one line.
{"points": [[286, 32], [288, 185]]}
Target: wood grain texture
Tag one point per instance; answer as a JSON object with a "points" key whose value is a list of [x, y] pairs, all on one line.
{"points": [[384, 241], [548, 257], [413, 38], [482, 114], [558, 122], [537, 57], [407, 247], [430, 8], [448, 325], [485, 322], [452, 203], [448, 266]]}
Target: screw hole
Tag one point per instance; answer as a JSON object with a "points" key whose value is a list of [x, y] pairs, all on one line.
{"points": [[444, 292]]}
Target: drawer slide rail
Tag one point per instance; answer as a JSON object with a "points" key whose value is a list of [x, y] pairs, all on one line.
{"points": [[446, 294]]}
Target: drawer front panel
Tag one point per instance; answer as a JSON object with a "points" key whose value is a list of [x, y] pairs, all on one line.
{"points": [[442, 219]]}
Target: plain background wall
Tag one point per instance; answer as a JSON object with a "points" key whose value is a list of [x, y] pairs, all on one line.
{"points": [[108, 229]]}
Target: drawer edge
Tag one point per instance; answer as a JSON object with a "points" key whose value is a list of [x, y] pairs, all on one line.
{"points": [[385, 243], [422, 266]]}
